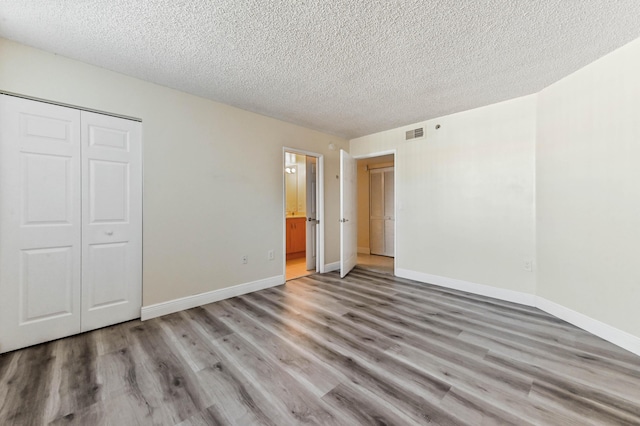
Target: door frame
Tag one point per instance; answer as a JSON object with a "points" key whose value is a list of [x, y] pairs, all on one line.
{"points": [[320, 266], [394, 152]]}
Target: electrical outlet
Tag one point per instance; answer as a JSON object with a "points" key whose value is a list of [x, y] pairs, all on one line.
{"points": [[270, 255], [527, 264], [245, 259]]}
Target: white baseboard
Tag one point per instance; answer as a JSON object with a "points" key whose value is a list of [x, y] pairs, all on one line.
{"points": [[330, 267], [481, 289], [176, 305], [364, 250], [611, 334]]}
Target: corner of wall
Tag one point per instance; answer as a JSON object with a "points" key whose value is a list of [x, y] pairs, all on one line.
{"points": [[607, 332], [470, 287]]}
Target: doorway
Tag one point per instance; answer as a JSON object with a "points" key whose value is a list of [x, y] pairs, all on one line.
{"points": [[376, 213], [303, 228]]}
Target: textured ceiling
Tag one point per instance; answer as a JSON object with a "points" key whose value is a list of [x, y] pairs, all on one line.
{"points": [[349, 68]]}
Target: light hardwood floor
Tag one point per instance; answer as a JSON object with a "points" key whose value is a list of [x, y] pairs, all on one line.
{"points": [[372, 262], [297, 268], [369, 349]]}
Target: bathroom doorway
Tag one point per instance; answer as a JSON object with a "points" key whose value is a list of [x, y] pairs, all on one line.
{"points": [[304, 230]]}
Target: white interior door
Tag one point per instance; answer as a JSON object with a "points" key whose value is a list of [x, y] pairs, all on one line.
{"points": [[348, 213], [40, 222], [112, 220], [312, 211]]}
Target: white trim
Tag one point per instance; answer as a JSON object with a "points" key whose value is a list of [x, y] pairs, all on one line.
{"points": [[176, 305], [481, 289], [376, 154], [609, 333], [320, 192], [330, 267], [364, 250], [62, 104]]}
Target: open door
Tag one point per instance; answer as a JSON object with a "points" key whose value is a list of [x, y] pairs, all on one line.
{"points": [[312, 212], [348, 217]]}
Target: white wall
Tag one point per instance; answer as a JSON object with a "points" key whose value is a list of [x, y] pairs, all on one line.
{"points": [[465, 194], [588, 190], [213, 174]]}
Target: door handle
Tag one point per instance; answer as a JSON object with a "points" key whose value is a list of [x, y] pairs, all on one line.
{"points": [[108, 232], [344, 220], [316, 221]]}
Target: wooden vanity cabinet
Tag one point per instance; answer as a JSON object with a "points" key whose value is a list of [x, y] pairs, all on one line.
{"points": [[296, 237]]}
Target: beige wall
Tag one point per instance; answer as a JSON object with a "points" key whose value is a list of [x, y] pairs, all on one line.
{"points": [[465, 194], [213, 174], [363, 197], [588, 190]]}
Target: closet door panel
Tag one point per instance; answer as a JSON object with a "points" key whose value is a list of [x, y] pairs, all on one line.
{"points": [[376, 236], [109, 192], [40, 222], [389, 238], [376, 209], [389, 213], [46, 186], [376, 213], [107, 276], [112, 226], [389, 199], [39, 268]]}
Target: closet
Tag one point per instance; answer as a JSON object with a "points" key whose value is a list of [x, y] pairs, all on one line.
{"points": [[70, 221], [382, 211]]}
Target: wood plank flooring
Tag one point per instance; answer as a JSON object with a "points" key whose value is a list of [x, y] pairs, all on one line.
{"points": [[370, 349], [296, 268], [372, 262]]}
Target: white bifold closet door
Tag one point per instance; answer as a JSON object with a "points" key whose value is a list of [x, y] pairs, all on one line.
{"points": [[70, 221], [40, 222], [111, 220], [382, 212]]}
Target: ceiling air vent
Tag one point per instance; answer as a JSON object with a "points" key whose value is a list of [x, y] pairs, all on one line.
{"points": [[414, 134]]}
